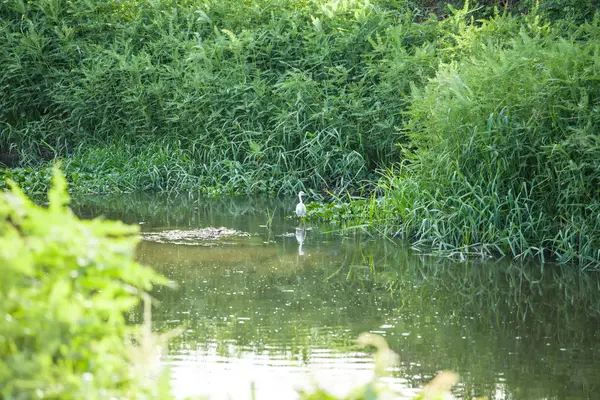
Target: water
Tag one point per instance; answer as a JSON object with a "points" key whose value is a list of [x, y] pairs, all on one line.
{"points": [[262, 310]]}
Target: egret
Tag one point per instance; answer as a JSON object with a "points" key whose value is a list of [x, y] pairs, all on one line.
{"points": [[300, 207]]}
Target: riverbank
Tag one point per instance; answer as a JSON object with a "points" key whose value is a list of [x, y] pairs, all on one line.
{"points": [[484, 118]]}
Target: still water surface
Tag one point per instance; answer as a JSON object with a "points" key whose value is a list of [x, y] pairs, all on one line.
{"points": [[263, 310]]}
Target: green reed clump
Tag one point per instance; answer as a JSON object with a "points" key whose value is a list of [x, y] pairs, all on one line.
{"points": [[292, 93], [504, 155]]}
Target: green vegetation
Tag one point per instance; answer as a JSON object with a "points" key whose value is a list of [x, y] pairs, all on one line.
{"points": [[66, 286], [502, 154], [508, 152], [484, 115], [244, 96]]}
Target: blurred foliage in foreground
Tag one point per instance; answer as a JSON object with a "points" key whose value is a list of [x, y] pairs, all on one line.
{"points": [[66, 287], [438, 389]]}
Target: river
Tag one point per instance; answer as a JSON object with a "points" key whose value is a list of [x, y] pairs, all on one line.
{"points": [[262, 313]]}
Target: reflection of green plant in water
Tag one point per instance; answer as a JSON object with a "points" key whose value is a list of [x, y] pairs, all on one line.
{"points": [[164, 209], [453, 314], [65, 287]]}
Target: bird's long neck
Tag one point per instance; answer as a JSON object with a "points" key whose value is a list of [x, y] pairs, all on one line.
{"points": [[300, 197]]}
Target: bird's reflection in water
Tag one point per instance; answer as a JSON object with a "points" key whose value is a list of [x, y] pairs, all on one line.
{"points": [[300, 234]]}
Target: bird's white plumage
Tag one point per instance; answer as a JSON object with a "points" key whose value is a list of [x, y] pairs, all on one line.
{"points": [[300, 207]]}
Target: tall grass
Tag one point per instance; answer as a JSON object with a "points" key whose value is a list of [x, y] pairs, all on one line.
{"points": [[292, 95], [503, 155]]}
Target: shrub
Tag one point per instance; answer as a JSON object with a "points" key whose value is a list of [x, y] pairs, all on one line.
{"points": [[66, 286], [505, 152], [310, 95]]}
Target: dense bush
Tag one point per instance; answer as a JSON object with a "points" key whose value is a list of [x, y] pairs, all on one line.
{"points": [[504, 152], [66, 286], [303, 96], [283, 94]]}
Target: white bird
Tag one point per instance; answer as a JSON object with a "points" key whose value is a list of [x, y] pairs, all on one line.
{"points": [[300, 207]]}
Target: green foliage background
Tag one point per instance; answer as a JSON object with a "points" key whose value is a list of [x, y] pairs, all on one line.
{"points": [[242, 96], [249, 96]]}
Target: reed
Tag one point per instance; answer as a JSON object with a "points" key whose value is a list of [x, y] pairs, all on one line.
{"points": [[501, 159], [282, 101]]}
